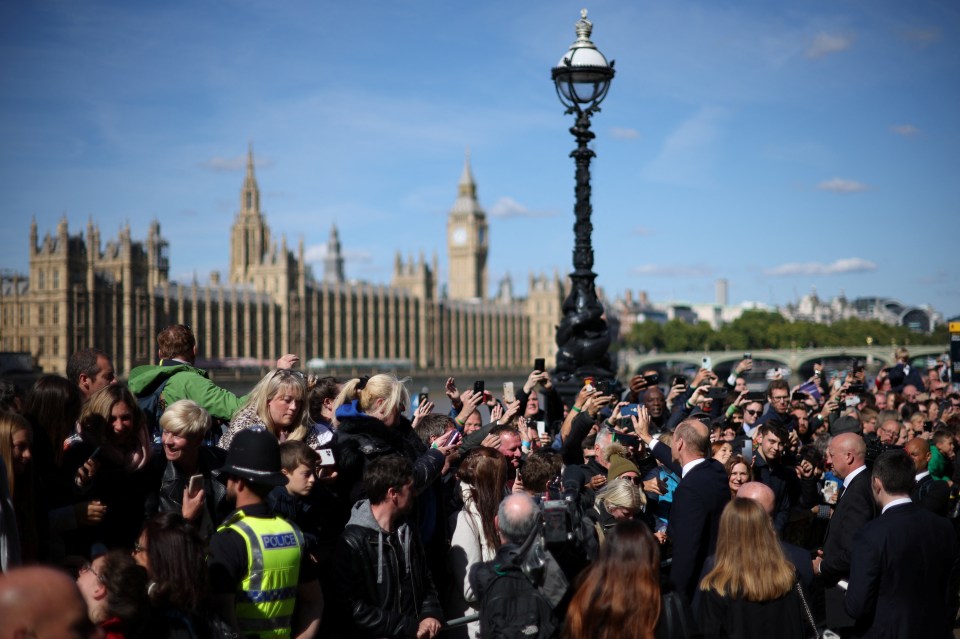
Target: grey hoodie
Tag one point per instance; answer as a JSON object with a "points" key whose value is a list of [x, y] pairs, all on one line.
{"points": [[361, 515]]}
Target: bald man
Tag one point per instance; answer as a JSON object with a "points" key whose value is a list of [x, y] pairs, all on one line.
{"points": [[800, 558], [698, 499], [42, 603], [846, 453], [929, 493]]}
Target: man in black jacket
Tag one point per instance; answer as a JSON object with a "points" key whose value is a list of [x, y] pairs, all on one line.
{"points": [[930, 493], [769, 469], [698, 500], [903, 570], [384, 583], [855, 507]]}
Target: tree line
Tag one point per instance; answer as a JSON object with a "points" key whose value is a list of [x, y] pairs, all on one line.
{"points": [[757, 329]]}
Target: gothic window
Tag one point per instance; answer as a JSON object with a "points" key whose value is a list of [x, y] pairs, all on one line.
{"points": [[40, 279], [56, 280], [249, 195], [56, 345], [56, 315], [41, 345], [41, 315]]}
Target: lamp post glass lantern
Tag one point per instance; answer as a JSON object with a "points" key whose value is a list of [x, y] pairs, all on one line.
{"points": [[582, 79]]}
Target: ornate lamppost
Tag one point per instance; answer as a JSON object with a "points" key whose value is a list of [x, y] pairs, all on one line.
{"points": [[582, 79]]}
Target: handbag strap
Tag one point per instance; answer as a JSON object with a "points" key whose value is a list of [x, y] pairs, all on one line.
{"points": [[806, 608]]}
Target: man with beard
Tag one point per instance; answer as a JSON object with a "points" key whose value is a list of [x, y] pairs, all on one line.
{"points": [[259, 573], [380, 567]]}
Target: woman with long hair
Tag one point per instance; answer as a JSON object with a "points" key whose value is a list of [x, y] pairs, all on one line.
{"points": [[368, 416], [53, 406], [752, 590], [171, 551], [483, 480], [16, 442], [278, 403], [618, 596], [108, 463]]}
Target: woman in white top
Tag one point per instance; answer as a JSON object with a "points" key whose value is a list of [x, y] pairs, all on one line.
{"points": [[483, 480]]}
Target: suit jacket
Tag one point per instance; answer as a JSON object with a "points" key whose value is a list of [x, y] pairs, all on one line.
{"points": [[854, 508], [932, 494], [694, 519], [903, 576]]}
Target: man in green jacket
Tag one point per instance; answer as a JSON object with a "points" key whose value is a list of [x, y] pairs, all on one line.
{"points": [[177, 348]]}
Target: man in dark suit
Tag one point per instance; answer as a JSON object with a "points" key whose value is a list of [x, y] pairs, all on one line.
{"points": [[697, 501], [903, 570], [855, 507], [932, 494]]}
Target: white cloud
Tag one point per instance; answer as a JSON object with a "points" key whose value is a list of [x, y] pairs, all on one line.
{"points": [[840, 185], [826, 43], [687, 154], [906, 130], [845, 265], [624, 133], [666, 270], [642, 231], [923, 37], [508, 207]]}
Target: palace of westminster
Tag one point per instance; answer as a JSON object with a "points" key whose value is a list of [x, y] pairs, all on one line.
{"points": [[80, 293]]}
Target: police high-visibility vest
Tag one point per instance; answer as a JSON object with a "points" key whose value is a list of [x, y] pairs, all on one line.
{"points": [[266, 597]]}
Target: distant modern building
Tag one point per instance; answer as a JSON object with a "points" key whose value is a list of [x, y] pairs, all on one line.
{"points": [[79, 294], [811, 308]]}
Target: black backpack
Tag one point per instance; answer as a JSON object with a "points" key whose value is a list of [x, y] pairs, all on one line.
{"points": [[152, 405], [513, 608]]}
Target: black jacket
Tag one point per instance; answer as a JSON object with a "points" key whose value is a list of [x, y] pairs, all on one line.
{"points": [[383, 584], [168, 496], [855, 507], [362, 438], [784, 483]]}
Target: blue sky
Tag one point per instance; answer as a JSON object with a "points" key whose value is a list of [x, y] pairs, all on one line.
{"points": [[779, 144]]}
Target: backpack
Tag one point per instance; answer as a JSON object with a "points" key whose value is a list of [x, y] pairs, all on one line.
{"points": [[153, 406], [513, 608]]}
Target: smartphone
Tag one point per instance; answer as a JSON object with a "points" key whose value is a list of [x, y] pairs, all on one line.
{"points": [[630, 409], [478, 386], [653, 378], [799, 397], [453, 439], [716, 392], [95, 454], [422, 399], [679, 379], [748, 356], [588, 383], [508, 393], [706, 363], [756, 396], [539, 364], [748, 449], [195, 485], [851, 401], [603, 386], [541, 428], [326, 457]]}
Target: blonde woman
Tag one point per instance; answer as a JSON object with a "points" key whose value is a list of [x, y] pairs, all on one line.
{"points": [[619, 500], [369, 420], [752, 589], [278, 404]]}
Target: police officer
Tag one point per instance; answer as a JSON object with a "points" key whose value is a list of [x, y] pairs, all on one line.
{"points": [[259, 572]]}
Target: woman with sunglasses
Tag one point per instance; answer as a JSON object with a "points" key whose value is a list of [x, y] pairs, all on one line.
{"points": [[278, 403]]}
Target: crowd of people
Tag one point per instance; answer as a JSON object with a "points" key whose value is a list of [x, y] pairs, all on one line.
{"points": [[168, 507]]}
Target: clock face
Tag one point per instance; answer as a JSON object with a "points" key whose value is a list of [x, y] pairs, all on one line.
{"points": [[459, 236]]}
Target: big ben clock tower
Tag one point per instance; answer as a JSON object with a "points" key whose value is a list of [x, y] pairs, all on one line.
{"points": [[467, 240]]}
